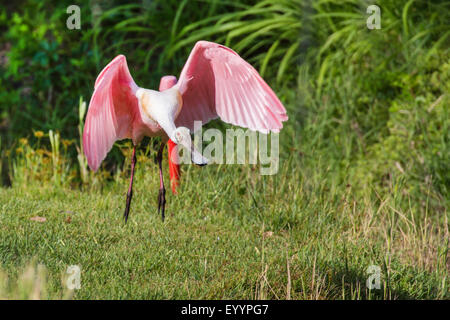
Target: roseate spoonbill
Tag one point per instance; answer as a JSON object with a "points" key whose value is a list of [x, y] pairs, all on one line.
{"points": [[215, 82]]}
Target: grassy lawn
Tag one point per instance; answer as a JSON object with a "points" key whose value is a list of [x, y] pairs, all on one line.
{"points": [[230, 234]]}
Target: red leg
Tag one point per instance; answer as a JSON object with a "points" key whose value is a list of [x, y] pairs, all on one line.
{"points": [[130, 188], [162, 190]]}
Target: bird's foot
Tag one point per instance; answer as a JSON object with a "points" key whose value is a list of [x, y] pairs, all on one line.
{"points": [[127, 206], [162, 202]]}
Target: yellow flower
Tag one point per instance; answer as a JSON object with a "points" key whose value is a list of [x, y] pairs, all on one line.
{"points": [[142, 158], [38, 134], [19, 150], [23, 141], [66, 142]]}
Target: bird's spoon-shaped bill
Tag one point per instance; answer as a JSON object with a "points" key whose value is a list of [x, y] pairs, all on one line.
{"points": [[182, 137]]}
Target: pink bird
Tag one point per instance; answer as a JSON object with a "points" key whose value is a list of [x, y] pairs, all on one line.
{"points": [[215, 82]]}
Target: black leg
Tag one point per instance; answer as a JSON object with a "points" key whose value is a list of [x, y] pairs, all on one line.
{"points": [[130, 188], [162, 190]]}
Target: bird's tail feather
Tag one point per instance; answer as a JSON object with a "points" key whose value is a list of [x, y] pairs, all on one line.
{"points": [[174, 168]]}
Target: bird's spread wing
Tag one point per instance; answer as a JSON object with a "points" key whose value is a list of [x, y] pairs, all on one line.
{"points": [[111, 111], [217, 82]]}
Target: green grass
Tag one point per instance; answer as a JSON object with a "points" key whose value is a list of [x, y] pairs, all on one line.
{"points": [[229, 234]]}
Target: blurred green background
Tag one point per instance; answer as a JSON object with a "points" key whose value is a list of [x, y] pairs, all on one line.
{"points": [[376, 96], [368, 109]]}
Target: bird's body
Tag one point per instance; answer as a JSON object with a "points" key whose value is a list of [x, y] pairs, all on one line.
{"points": [[214, 83], [159, 107]]}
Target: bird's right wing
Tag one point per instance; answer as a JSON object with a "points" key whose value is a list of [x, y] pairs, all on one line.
{"points": [[112, 109], [217, 82]]}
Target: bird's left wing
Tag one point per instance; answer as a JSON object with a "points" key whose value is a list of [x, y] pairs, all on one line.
{"points": [[217, 82], [112, 110]]}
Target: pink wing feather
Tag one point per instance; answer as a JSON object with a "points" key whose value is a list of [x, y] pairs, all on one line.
{"points": [[113, 111], [217, 82]]}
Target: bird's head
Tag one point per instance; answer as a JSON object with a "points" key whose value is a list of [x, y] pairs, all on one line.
{"points": [[182, 136], [167, 82]]}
